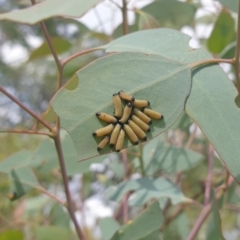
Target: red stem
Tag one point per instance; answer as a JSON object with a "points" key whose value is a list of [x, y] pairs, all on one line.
{"points": [[47, 125], [207, 197]]}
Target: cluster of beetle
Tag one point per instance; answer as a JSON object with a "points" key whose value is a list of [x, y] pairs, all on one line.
{"points": [[130, 121]]}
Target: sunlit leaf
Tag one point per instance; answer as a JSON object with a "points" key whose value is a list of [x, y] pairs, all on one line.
{"points": [[11, 234], [144, 227], [48, 9]]}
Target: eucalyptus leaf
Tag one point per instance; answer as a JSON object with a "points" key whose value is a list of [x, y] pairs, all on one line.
{"points": [[164, 83], [52, 232], [11, 234], [108, 227], [48, 9], [60, 45], [160, 156], [214, 229], [223, 33], [171, 13], [144, 227], [22, 181], [146, 189], [211, 102]]}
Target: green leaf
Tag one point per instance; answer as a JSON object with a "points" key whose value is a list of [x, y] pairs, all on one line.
{"points": [[146, 21], [165, 84], [211, 102], [60, 45], [147, 189], [182, 225], [160, 156], [11, 234], [19, 159], [22, 177], [232, 4], [171, 13], [23, 180], [48, 9], [144, 227], [59, 217], [228, 51], [214, 229], [108, 227], [51, 232], [223, 33]]}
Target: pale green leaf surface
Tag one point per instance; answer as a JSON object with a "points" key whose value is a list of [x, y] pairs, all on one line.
{"points": [[11, 235], [162, 82], [22, 180], [59, 217], [60, 45], [160, 156], [231, 4], [211, 102], [182, 225], [19, 159], [144, 227], [147, 189], [108, 227], [171, 13], [48, 9], [51, 232]]}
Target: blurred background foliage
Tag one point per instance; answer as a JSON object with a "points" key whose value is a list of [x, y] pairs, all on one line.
{"points": [[31, 77]]}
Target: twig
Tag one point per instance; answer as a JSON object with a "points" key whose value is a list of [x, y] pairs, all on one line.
{"points": [[211, 61], [56, 135], [25, 132], [209, 176], [47, 125], [125, 17], [64, 62], [207, 209], [51, 195], [237, 53], [58, 146], [54, 53], [191, 137]]}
